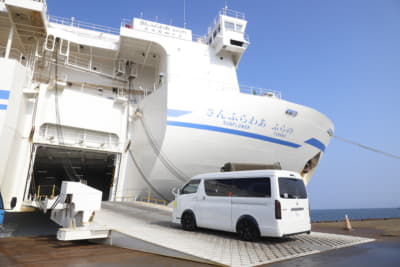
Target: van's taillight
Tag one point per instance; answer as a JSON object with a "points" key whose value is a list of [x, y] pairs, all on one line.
{"points": [[278, 210]]}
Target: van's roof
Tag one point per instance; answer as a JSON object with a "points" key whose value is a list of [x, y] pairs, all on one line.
{"points": [[249, 174]]}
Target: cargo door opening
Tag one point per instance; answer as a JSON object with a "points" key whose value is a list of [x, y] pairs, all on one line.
{"points": [[52, 165]]}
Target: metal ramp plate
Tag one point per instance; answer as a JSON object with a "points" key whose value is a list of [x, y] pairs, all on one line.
{"points": [[148, 228]]}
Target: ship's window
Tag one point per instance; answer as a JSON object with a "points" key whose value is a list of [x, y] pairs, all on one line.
{"points": [[239, 27], [214, 34], [191, 187], [229, 26]]}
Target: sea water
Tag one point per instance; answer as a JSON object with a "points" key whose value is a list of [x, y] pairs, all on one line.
{"points": [[354, 214]]}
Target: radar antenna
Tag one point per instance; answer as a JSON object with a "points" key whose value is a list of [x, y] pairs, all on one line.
{"points": [[184, 14]]}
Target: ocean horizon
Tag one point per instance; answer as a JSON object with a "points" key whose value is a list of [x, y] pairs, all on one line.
{"points": [[321, 215]]}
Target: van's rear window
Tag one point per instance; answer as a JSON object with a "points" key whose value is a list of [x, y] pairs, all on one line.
{"points": [[292, 188]]}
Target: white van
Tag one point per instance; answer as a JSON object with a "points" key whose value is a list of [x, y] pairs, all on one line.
{"points": [[252, 203]]}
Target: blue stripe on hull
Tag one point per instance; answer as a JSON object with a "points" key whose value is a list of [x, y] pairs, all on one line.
{"points": [[316, 143], [4, 94], [232, 131], [3, 107], [177, 112]]}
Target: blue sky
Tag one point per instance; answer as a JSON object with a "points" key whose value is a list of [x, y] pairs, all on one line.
{"points": [[340, 57]]}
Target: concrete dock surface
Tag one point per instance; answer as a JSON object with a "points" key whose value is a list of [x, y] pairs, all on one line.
{"points": [[42, 249], [379, 253]]}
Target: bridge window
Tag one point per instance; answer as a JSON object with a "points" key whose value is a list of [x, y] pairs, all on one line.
{"points": [[229, 26]]}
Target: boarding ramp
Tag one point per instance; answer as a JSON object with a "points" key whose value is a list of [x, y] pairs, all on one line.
{"points": [[147, 227]]}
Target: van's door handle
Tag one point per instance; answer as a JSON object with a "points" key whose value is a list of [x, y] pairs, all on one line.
{"points": [[203, 198]]}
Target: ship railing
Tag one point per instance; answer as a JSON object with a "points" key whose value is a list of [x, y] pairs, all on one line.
{"points": [[72, 22], [141, 196], [260, 91], [232, 13], [128, 23], [91, 65], [200, 83]]}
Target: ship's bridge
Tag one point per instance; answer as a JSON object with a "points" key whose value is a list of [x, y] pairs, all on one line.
{"points": [[227, 35]]}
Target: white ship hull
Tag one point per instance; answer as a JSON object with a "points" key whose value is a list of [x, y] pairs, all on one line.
{"points": [[135, 112], [200, 135]]}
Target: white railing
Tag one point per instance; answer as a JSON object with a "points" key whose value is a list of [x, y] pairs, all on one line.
{"points": [[141, 196], [232, 13], [201, 83], [128, 23], [91, 65], [260, 91], [72, 22]]}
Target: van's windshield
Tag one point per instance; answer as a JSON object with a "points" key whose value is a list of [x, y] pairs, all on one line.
{"points": [[292, 188], [190, 187]]}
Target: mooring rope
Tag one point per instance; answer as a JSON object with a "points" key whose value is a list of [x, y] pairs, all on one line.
{"points": [[387, 154]]}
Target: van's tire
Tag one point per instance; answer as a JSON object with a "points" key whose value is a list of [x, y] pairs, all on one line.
{"points": [[248, 230], [188, 221]]}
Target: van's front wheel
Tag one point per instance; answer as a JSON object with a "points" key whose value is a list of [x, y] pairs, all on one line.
{"points": [[188, 221], [248, 230]]}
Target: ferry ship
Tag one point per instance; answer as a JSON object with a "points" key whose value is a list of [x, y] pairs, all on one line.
{"points": [[135, 111]]}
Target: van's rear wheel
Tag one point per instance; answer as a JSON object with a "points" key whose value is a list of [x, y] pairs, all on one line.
{"points": [[188, 221], [248, 230]]}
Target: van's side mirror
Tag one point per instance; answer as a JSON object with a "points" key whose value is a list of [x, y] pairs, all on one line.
{"points": [[176, 191], [13, 203]]}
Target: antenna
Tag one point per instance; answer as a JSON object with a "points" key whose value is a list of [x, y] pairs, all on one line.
{"points": [[184, 14], [225, 9]]}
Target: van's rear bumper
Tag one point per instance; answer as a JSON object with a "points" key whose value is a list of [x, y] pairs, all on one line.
{"points": [[305, 232], [283, 230]]}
